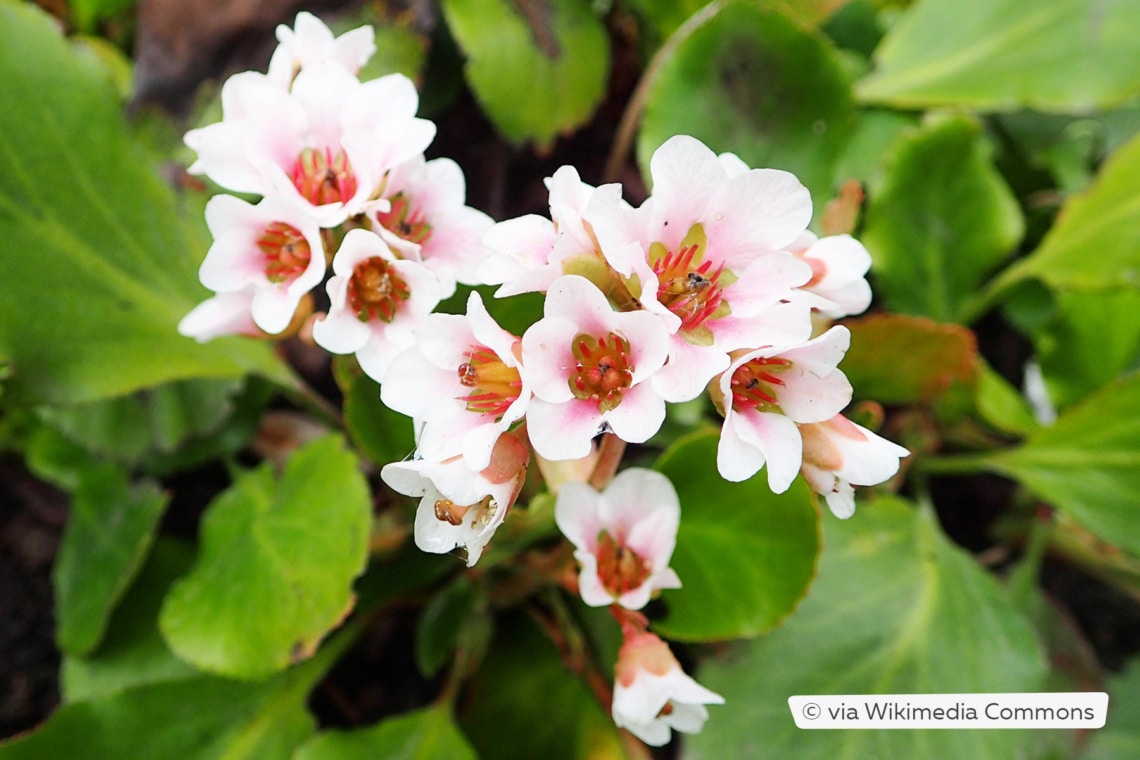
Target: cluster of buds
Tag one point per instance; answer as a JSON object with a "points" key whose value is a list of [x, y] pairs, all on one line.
{"points": [[712, 286]]}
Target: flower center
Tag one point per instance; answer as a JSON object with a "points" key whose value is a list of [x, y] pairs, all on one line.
{"points": [[451, 513], [322, 177], [690, 286], [754, 384], [603, 371], [620, 569], [494, 386], [287, 252], [376, 291], [402, 221]]}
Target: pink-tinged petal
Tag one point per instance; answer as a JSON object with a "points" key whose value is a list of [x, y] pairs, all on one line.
{"points": [[579, 300], [689, 370], [563, 430], [685, 175], [415, 386], [812, 398], [234, 262], [273, 308], [487, 331], [780, 441], [733, 165], [841, 500], [576, 514], [636, 493], [648, 342], [736, 459], [547, 358], [377, 355], [518, 247], [445, 339], [760, 211], [340, 331], [355, 47], [224, 314], [639, 415], [654, 536], [590, 587], [478, 442], [870, 462]]}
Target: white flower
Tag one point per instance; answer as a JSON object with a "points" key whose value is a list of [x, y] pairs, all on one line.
{"points": [[461, 382], [765, 392], [224, 314], [623, 537], [377, 302], [588, 367], [310, 42], [653, 696], [461, 507], [838, 454], [273, 248], [839, 264]]}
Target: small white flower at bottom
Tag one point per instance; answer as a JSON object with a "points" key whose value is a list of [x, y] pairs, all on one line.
{"points": [[838, 454]]}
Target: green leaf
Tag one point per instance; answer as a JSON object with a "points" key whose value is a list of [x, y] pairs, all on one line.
{"points": [[1095, 244], [537, 67], [745, 556], [1087, 464], [525, 703], [898, 359], [133, 652], [276, 565], [198, 719], [425, 734], [941, 221], [382, 434], [100, 267], [439, 627], [754, 83], [897, 609], [110, 529], [1120, 736], [1000, 55], [1001, 405]]}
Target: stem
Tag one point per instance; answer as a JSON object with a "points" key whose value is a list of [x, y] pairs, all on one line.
{"points": [[610, 452], [995, 290], [954, 464], [306, 397], [571, 643]]}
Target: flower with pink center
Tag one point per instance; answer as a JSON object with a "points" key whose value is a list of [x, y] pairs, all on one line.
{"points": [[326, 143], [224, 314], [710, 261], [765, 392], [273, 249], [839, 264], [588, 367], [310, 43], [526, 254], [623, 537], [427, 220], [461, 382], [652, 695], [839, 454], [377, 302], [459, 506]]}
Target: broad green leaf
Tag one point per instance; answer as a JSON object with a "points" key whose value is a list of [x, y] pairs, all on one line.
{"points": [[1001, 405], [1095, 244], [525, 703], [875, 132], [379, 432], [745, 556], [1120, 736], [108, 533], [752, 82], [1087, 464], [202, 718], [1000, 55], [1093, 339], [99, 268], [427, 734], [442, 621], [941, 221], [897, 359], [133, 652], [897, 609], [537, 67], [277, 562]]}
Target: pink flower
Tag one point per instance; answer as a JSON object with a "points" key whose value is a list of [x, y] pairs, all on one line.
{"points": [[839, 264], [765, 392], [652, 695], [623, 537], [377, 302], [838, 454], [588, 366], [273, 248], [461, 507], [224, 314], [427, 220], [310, 43], [707, 251], [327, 143], [461, 382]]}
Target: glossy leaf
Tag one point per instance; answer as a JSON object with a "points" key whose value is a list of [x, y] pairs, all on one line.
{"points": [[1087, 463], [277, 562], [896, 359], [537, 67], [745, 556], [752, 82], [897, 609], [102, 267], [109, 531], [1061, 55], [941, 221], [1095, 243], [133, 652], [427, 734]]}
